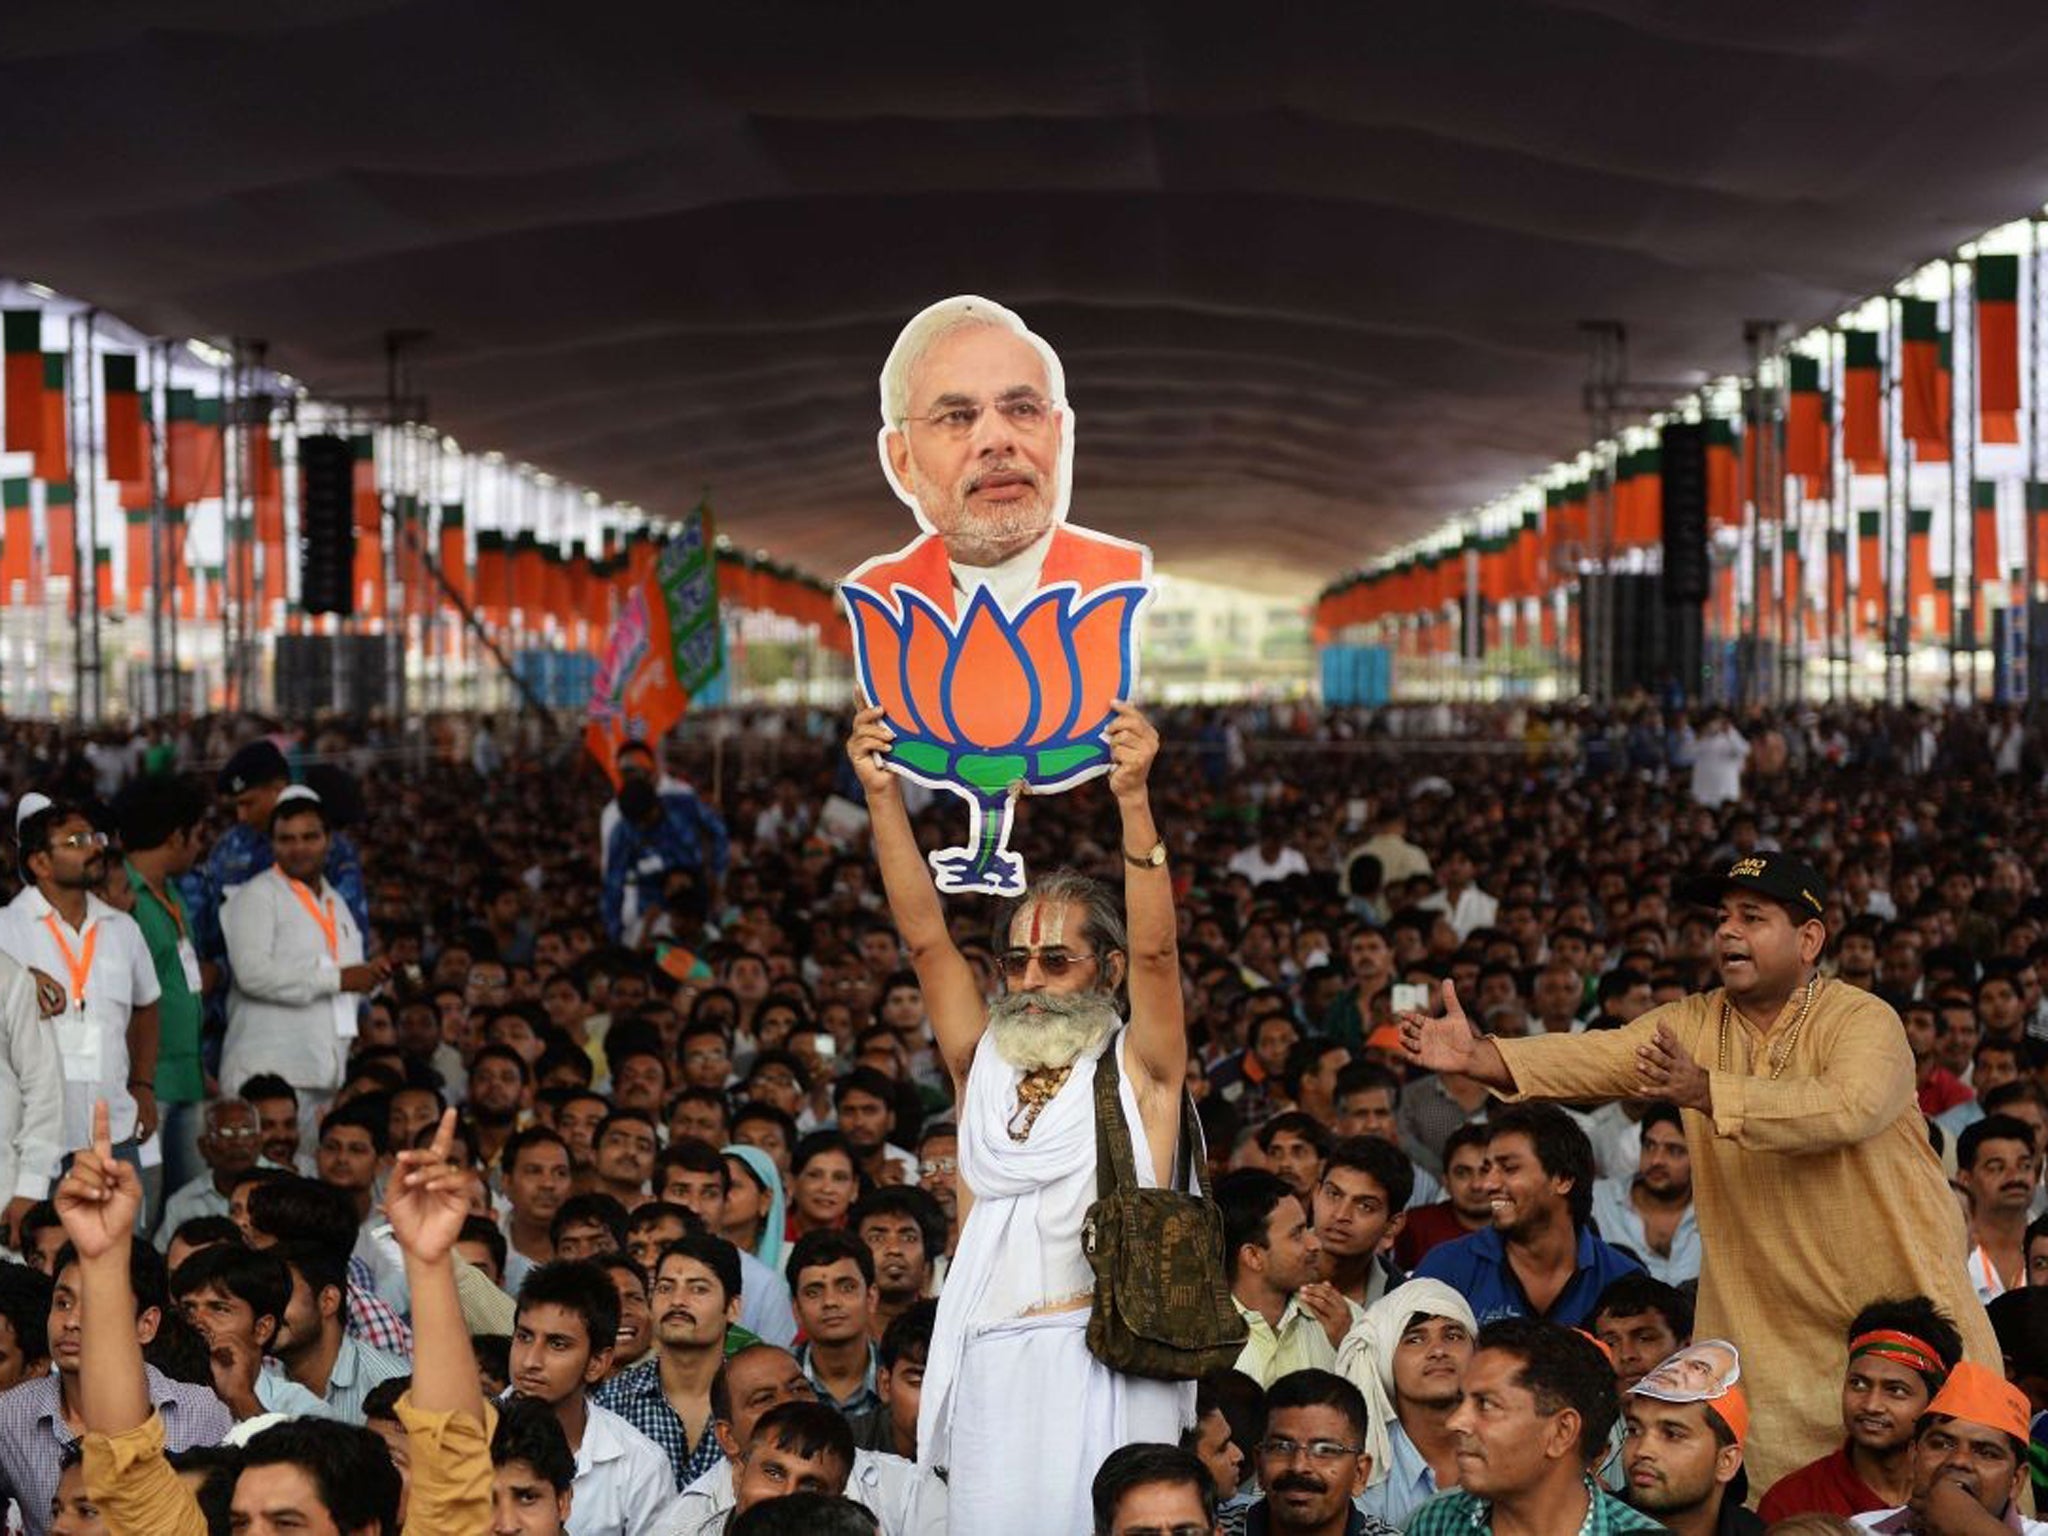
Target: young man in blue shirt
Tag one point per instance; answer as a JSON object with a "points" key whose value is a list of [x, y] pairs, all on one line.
{"points": [[1540, 1257]]}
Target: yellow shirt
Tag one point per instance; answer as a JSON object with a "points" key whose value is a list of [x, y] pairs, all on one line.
{"points": [[1817, 1193], [139, 1495], [1299, 1344]]}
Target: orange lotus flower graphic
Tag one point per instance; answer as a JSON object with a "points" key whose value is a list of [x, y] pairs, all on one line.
{"points": [[989, 706]]}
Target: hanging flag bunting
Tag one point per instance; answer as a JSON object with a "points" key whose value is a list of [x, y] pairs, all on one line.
{"points": [[1838, 572], [195, 447], [53, 460], [1862, 403], [1984, 567], [454, 551], [2037, 531], [1806, 425], [1998, 348], [60, 530], [21, 339], [1924, 381], [1920, 609], [127, 442], [1724, 474], [1870, 570], [17, 544], [138, 561], [369, 517]]}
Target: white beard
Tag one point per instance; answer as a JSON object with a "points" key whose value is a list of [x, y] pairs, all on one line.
{"points": [[1063, 1027]]}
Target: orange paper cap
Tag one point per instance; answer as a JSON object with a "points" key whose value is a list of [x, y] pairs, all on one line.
{"points": [[1386, 1038], [1983, 1397], [1732, 1409]]}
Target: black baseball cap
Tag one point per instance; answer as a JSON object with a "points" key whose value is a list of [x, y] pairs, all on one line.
{"points": [[1785, 878], [260, 762]]}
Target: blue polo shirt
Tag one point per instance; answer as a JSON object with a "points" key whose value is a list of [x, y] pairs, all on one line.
{"points": [[1477, 1268]]}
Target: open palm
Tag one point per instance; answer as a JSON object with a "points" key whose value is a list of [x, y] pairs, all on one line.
{"points": [[1442, 1043]]}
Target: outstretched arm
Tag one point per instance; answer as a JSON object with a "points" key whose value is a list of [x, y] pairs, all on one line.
{"points": [[1159, 1037], [959, 1012], [97, 1202]]}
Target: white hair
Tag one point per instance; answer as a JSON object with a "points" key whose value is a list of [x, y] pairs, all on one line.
{"points": [[961, 312]]}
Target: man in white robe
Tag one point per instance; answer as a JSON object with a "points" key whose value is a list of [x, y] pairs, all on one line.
{"points": [[1015, 1408]]}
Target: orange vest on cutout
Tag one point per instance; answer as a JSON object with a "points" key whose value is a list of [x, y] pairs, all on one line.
{"points": [[1088, 560]]}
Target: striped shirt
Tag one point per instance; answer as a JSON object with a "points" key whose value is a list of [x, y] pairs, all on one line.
{"points": [[33, 1433]]}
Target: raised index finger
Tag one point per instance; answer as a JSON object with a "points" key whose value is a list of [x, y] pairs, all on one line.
{"points": [[444, 1137], [102, 1135]]}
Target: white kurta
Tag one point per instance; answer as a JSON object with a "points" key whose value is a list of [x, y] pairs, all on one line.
{"points": [[1014, 1406], [92, 1041], [287, 1012]]}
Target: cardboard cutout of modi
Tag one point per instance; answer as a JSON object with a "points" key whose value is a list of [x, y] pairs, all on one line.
{"points": [[996, 641]]}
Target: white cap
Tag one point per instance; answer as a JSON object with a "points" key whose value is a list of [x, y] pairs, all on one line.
{"points": [[297, 792], [29, 805]]}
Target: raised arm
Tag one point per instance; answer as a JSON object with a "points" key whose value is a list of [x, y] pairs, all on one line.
{"points": [[125, 1470], [425, 1202], [1159, 1036], [97, 1201], [1592, 1067], [952, 996]]}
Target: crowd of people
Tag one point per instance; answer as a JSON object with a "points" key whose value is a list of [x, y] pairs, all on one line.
{"points": [[479, 1145]]}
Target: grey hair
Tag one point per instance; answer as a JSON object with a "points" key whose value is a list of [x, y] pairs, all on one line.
{"points": [[1102, 913], [215, 1106], [930, 325]]}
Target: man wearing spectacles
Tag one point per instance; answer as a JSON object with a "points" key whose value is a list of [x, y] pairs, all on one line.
{"points": [[1014, 1404], [977, 441], [1312, 1462], [96, 990], [230, 1145]]}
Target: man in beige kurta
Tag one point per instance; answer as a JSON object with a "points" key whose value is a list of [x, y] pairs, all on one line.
{"points": [[1818, 1193]]}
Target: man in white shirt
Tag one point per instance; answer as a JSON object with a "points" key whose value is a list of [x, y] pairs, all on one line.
{"points": [[1717, 760], [1651, 1213], [562, 1340], [31, 1097], [93, 979], [229, 1145], [1464, 903], [1270, 859], [296, 955]]}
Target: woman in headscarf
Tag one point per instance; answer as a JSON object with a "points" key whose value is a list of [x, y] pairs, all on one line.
{"points": [[754, 1216], [1408, 1356]]}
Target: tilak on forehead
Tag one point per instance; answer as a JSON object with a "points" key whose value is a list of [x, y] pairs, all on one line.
{"points": [[1040, 924]]}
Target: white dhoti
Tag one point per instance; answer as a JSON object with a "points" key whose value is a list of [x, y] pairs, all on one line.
{"points": [[1035, 1414], [1015, 1408]]}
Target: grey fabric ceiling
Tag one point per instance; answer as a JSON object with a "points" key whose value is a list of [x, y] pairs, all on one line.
{"points": [[1314, 270]]}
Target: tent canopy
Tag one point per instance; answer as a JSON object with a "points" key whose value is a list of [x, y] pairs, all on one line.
{"points": [[1314, 271]]}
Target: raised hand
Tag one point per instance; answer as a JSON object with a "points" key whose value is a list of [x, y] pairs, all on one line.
{"points": [[427, 1199], [869, 742], [1445, 1043], [1133, 745], [235, 1364], [99, 1197]]}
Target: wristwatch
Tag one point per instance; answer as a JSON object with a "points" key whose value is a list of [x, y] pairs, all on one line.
{"points": [[1150, 860]]}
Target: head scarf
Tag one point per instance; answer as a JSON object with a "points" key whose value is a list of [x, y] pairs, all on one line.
{"points": [[1367, 1357], [768, 1247]]}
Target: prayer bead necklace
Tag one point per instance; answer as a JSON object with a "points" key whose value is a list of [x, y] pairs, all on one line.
{"points": [[1036, 1089], [1778, 1054]]}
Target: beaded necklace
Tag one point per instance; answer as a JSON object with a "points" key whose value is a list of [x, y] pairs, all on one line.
{"points": [[1777, 1054], [1036, 1089]]}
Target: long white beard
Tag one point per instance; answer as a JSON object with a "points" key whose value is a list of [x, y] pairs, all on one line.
{"points": [[1043, 1029]]}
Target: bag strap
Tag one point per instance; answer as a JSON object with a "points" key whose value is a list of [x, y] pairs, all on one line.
{"points": [[1113, 1162]]}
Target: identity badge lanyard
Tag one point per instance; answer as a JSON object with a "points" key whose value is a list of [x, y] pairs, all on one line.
{"points": [[322, 913], [79, 965]]}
